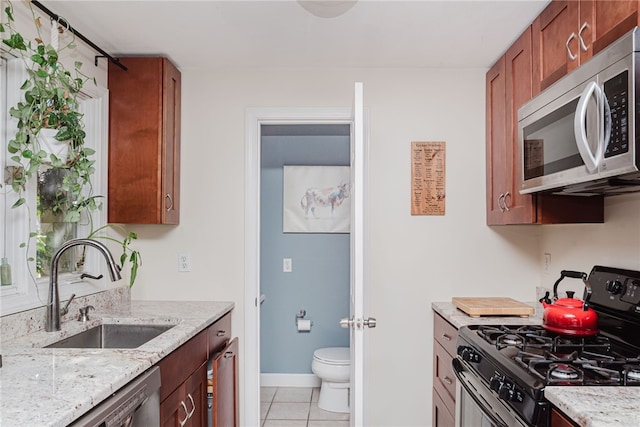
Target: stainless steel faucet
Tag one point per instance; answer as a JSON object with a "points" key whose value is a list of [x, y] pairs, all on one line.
{"points": [[53, 304]]}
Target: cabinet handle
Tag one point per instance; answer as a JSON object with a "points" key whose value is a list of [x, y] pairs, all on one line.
{"points": [[168, 196], [571, 55], [501, 202], [506, 205], [582, 44], [193, 405], [186, 413], [446, 337], [447, 380], [228, 355], [221, 333]]}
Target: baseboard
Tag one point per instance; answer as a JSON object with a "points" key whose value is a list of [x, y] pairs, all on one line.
{"points": [[289, 380]]}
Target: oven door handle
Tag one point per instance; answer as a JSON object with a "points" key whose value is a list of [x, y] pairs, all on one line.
{"points": [[458, 369]]}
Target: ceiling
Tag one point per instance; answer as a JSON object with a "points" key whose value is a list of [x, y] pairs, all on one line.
{"points": [[265, 33]]}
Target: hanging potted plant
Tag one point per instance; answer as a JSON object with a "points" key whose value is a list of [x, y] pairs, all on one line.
{"points": [[50, 137], [50, 130]]}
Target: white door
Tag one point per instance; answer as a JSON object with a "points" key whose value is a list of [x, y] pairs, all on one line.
{"points": [[356, 321]]}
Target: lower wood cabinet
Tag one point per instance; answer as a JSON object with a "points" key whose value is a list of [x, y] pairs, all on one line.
{"points": [[444, 379], [223, 387], [559, 420], [187, 405], [183, 393]]}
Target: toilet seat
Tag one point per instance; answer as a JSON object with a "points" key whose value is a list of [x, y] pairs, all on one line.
{"points": [[333, 355]]}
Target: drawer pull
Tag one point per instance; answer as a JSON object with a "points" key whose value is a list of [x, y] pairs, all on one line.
{"points": [[186, 414], [221, 333], [446, 337], [447, 380], [228, 355], [193, 405]]}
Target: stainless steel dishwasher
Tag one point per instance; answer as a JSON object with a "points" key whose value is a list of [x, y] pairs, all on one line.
{"points": [[135, 405]]}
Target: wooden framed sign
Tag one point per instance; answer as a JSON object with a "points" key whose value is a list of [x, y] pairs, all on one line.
{"points": [[428, 178]]}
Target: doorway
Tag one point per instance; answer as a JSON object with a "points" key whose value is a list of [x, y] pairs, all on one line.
{"points": [[314, 283], [255, 119]]}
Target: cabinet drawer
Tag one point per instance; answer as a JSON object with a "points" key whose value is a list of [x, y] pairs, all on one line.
{"points": [[219, 333], [445, 334], [444, 378], [179, 365], [442, 416]]}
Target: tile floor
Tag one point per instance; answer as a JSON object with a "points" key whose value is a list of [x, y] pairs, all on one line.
{"points": [[296, 407]]}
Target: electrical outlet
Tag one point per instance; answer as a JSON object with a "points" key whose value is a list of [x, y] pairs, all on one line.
{"points": [[287, 265], [546, 267], [184, 262]]}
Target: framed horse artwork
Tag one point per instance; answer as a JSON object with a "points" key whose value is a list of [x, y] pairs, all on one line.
{"points": [[316, 199]]}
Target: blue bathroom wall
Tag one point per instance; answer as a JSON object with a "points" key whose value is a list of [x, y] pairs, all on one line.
{"points": [[319, 281]]}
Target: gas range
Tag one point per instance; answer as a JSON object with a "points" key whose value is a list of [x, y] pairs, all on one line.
{"points": [[509, 366]]}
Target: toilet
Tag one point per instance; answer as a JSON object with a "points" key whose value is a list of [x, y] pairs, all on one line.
{"points": [[333, 366]]}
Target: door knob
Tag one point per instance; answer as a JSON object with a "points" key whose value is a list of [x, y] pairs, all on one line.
{"points": [[370, 322], [346, 322]]}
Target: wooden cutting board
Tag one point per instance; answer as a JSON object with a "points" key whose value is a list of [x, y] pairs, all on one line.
{"points": [[492, 306]]}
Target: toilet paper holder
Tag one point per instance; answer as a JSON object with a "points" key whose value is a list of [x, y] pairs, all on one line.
{"points": [[300, 316]]}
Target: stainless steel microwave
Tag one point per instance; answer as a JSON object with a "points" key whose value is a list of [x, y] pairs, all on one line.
{"points": [[579, 136]]}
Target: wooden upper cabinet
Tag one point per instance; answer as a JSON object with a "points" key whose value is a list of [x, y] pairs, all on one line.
{"points": [[509, 84], [520, 207], [144, 142], [497, 179], [556, 47], [508, 87], [569, 32], [612, 20]]}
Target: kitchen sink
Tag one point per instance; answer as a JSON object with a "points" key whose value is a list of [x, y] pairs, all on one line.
{"points": [[112, 335]]}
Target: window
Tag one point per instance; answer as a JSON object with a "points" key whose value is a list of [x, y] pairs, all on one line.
{"points": [[30, 279]]}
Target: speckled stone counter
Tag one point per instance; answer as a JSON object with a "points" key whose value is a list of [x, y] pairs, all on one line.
{"points": [[459, 318], [52, 387], [597, 406]]}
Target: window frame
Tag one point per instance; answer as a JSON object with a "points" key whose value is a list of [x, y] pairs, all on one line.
{"points": [[27, 291]]}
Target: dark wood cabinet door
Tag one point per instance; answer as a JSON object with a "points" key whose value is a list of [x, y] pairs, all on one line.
{"points": [[187, 405], [520, 208], [144, 142], [225, 411], [496, 152], [553, 46], [612, 20], [441, 416], [196, 397], [559, 420]]}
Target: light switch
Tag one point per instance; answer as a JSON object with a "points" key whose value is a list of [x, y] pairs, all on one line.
{"points": [[287, 265]]}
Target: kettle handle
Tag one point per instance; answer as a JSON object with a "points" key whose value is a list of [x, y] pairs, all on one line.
{"points": [[574, 275]]}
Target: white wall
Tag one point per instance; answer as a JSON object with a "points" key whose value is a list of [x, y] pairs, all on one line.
{"points": [[415, 260], [616, 243]]}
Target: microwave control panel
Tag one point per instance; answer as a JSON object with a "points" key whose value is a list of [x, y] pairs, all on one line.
{"points": [[617, 93]]}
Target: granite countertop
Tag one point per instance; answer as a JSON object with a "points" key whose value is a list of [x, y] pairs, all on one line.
{"points": [[590, 406], [597, 406], [52, 387]]}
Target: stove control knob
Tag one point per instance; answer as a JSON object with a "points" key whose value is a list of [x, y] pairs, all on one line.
{"points": [[468, 354], [510, 393], [614, 287], [506, 392], [496, 383]]}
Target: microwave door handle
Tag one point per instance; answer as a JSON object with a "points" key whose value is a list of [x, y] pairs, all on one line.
{"points": [[590, 160]]}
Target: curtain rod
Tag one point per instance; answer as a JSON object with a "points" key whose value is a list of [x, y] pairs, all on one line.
{"points": [[64, 22]]}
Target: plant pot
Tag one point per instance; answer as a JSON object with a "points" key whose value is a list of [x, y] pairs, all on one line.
{"points": [[47, 140]]}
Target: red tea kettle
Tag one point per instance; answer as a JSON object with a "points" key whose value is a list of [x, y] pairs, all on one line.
{"points": [[569, 316]]}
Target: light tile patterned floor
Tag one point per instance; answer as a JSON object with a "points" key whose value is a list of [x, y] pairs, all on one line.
{"points": [[296, 407]]}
